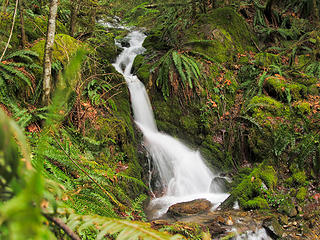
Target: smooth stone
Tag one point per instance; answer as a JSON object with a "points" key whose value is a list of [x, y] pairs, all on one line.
{"points": [[189, 208]]}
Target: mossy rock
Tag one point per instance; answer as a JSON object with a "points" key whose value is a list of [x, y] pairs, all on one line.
{"points": [[106, 47], [249, 190], [63, 48], [220, 34], [141, 69], [281, 89], [154, 41], [265, 104], [287, 207]]}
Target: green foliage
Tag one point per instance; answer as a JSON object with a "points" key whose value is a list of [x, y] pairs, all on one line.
{"points": [[301, 194], [172, 65], [16, 78], [124, 228]]}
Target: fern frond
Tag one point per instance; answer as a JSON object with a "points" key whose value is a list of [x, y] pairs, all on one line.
{"points": [[17, 73], [125, 229]]}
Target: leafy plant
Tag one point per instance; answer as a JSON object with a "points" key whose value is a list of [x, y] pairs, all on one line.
{"points": [[176, 70], [16, 78]]}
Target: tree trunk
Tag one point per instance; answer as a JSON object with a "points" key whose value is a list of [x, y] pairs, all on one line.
{"points": [[48, 52], [23, 33], [316, 12], [11, 31], [268, 12], [73, 19]]}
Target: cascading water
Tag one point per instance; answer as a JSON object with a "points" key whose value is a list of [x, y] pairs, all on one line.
{"points": [[182, 171]]}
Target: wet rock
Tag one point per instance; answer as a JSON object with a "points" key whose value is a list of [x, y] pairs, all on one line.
{"points": [[215, 229], [273, 228], [219, 185], [189, 208], [228, 203], [124, 42]]}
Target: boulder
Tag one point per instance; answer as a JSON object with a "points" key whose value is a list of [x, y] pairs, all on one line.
{"points": [[273, 228], [189, 208], [219, 185]]}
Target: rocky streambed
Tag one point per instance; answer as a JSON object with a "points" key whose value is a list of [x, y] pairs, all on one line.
{"points": [[240, 224]]}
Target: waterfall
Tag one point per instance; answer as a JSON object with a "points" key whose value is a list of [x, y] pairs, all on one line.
{"points": [[182, 171]]}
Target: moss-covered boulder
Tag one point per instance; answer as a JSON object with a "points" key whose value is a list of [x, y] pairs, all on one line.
{"points": [[64, 46], [284, 90], [249, 191], [220, 34], [141, 69]]}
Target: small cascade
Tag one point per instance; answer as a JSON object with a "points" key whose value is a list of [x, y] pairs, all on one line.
{"points": [[182, 171]]}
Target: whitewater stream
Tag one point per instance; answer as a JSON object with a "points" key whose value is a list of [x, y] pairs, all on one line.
{"points": [[182, 171]]}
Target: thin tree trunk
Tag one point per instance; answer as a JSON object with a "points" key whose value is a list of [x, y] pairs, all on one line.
{"points": [[316, 12], [73, 19], [23, 33], [11, 31], [48, 52]]}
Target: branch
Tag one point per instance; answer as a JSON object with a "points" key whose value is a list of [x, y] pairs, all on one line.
{"points": [[63, 226], [11, 32]]}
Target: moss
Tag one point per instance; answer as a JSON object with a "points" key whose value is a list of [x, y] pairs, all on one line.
{"points": [[64, 46], [249, 192], [301, 108], [154, 41], [268, 176], [219, 34], [268, 104], [279, 88], [266, 59], [107, 48], [299, 178], [301, 194], [256, 203]]}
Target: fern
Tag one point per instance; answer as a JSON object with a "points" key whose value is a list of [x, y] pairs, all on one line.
{"points": [[181, 63], [124, 228]]}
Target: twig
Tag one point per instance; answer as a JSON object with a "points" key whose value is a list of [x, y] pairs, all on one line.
{"points": [[63, 226], [11, 32]]}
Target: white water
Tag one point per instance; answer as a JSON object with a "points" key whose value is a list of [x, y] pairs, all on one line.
{"points": [[183, 173]]}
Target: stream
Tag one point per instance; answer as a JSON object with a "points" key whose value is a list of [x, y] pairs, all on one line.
{"points": [[182, 172]]}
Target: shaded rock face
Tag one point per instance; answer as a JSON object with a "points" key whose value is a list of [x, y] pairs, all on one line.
{"points": [[219, 185], [190, 208]]}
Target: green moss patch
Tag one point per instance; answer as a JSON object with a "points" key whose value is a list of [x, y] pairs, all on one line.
{"points": [[64, 46], [249, 190]]}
